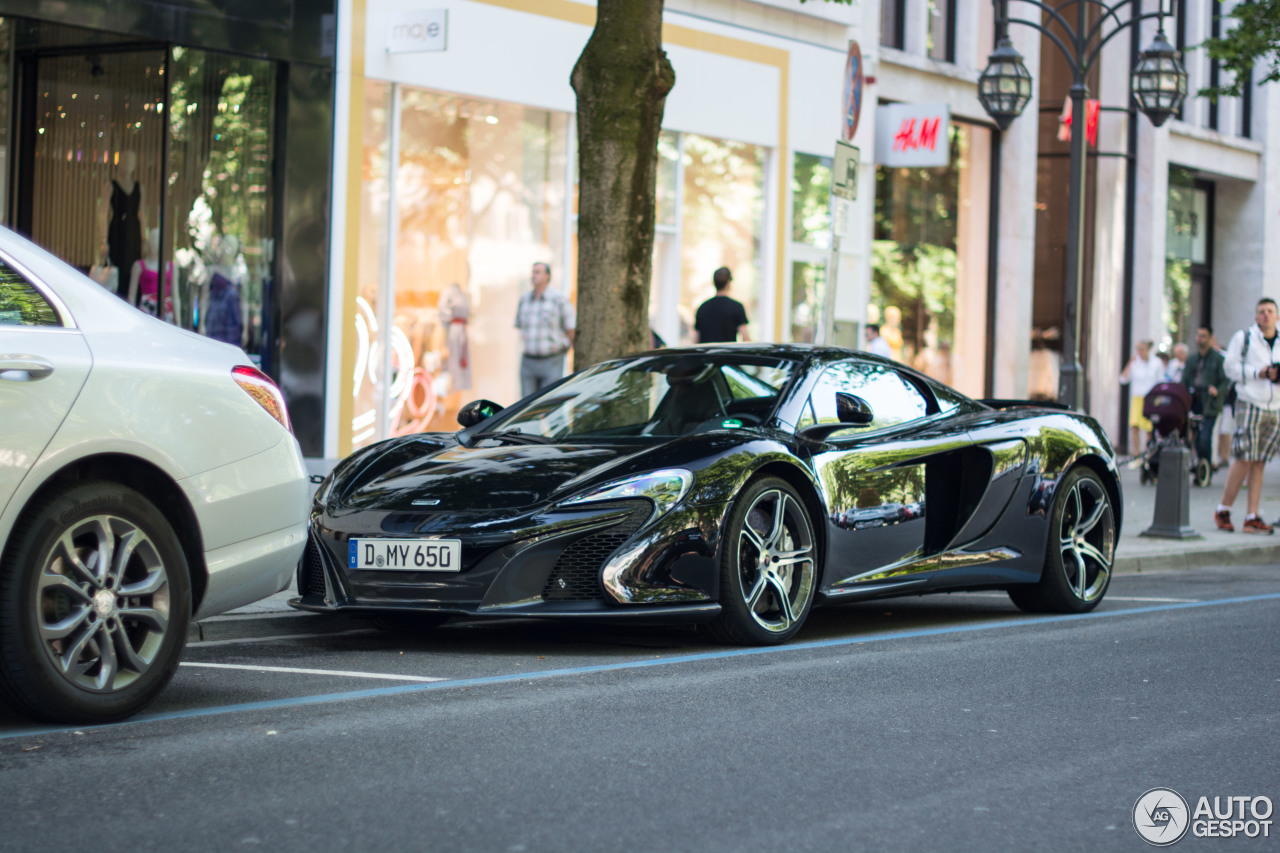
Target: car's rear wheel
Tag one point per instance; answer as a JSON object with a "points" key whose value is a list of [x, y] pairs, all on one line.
{"points": [[768, 570], [95, 601], [1080, 551]]}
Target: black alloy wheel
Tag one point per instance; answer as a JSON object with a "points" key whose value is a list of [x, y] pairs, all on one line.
{"points": [[95, 600], [1080, 551], [768, 572]]}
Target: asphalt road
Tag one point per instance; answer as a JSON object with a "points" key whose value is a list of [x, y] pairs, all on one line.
{"points": [[943, 723]]}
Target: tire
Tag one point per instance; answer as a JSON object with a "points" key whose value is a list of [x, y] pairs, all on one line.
{"points": [[409, 623], [1080, 552], [768, 567], [1203, 473], [83, 638]]}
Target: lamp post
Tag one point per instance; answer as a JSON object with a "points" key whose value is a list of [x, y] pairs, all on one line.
{"points": [[1159, 85]]}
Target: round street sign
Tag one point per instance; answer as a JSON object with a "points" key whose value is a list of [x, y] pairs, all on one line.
{"points": [[852, 91]]}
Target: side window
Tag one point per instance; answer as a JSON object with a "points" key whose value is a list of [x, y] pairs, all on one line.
{"points": [[893, 399], [21, 304]]}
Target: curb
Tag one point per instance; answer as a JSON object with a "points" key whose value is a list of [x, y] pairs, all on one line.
{"points": [[270, 624], [1196, 557]]}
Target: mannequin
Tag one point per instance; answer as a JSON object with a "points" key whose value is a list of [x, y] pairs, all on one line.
{"points": [[121, 216], [454, 310], [144, 281], [222, 308]]}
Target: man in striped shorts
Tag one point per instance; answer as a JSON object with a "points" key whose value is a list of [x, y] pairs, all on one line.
{"points": [[1253, 362]]}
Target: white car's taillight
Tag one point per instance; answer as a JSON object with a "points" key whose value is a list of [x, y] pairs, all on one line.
{"points": [[259, 386]]}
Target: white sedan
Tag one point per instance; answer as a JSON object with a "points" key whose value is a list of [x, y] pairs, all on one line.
{"points": [[148, 476]]}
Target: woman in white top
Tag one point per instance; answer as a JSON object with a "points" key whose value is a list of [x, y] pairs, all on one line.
{"points": [[1141, 374]]}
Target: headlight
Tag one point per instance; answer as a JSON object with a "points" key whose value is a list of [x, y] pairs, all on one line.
{"points": [[665, 488]]}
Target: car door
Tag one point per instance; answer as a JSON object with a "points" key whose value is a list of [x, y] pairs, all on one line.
{"points": [[875, 478], [44, 362]]}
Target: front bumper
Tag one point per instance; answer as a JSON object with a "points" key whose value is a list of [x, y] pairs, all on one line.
{"points": [[606, 561]]}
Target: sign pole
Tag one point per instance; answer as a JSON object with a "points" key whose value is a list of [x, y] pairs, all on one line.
{"points": [[844, 187]]}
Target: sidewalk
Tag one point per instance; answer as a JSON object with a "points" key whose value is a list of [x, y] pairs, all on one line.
{"points": [[1134, 553]]}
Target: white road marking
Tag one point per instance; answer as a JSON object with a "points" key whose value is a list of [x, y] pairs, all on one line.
{"points": [[1108, 598], [300, 671]]}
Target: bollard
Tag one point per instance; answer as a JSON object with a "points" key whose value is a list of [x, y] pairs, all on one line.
{"points": [[1173, 496]]}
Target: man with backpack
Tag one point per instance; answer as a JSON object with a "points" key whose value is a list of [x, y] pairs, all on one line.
{"points": [[1252, 361]]}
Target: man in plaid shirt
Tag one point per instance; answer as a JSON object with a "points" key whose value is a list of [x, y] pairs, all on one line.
{"points": [[546, 321]]}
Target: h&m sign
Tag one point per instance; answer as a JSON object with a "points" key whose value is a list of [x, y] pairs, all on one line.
{"points": [[913, 135], [417, 31]]}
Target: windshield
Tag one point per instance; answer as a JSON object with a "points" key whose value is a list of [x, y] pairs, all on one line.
{"points": [[656, 397]]}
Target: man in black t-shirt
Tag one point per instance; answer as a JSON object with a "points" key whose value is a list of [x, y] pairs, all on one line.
{"points": [[721, 318]]}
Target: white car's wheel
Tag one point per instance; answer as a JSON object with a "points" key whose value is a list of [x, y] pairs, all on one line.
{"points": [[95, 601]]}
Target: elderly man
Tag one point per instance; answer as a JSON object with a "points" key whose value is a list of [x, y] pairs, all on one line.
{"points": [[1173, 370], [546, 321]]}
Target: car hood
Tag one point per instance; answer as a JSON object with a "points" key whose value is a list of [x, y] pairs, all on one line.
{"points": [[418, 477]]}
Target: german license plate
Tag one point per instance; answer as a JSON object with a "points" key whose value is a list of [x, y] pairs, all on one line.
{"points": [[405, 555]]}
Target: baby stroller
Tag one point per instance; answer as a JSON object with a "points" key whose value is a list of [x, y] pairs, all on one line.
{"points": [[1168, 407]]}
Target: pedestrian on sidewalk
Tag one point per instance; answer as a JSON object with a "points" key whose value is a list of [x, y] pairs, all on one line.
{"points": [[1141, 374], [721, 319], [1252, 362], [1206, 379], [546, 321], [1178, 364], [876, 344]]}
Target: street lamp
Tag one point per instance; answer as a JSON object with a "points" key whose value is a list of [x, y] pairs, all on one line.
{"points": [[1159, 87]]}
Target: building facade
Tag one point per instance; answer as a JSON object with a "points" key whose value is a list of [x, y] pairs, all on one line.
{"points": [[193, 138], [355, 190]]}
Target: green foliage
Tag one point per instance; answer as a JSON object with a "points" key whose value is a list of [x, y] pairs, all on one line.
{"points": [[1254, 40]]}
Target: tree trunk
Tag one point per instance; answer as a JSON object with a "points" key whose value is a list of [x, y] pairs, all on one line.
{"points": [[621, 79]]}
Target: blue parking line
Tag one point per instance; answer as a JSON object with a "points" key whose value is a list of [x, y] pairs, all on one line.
{"points": [[323, 698]]}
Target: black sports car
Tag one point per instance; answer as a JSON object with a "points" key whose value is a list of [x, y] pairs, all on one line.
{"points": [[736, 485]]}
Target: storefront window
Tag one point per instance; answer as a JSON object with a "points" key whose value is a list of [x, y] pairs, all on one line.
{"points": [[479, 197], [929, 262], [375, 183], [1187, 257], [6, 84], [723, 223], [811, 201], [808, 284], [98, 128], [218, 203]]}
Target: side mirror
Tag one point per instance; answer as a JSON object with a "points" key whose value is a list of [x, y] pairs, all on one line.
{"points": [[851, 409], [476, 411]]}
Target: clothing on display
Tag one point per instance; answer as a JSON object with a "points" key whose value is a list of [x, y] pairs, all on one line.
{"points": [[222, 314], [124, 232], [454, 311], [149, 299]]}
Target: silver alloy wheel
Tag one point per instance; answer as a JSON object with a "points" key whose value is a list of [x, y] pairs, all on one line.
{"points": [[775, 561], [102, 603], [1087, 539]]}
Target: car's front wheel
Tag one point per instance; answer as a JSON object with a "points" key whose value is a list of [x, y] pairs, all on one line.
{"points": [[768, 571], [1080, 551], [95, 601]]}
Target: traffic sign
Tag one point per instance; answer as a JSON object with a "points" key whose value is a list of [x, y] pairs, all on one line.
{"points": [[853, 80], [844, 171]]}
